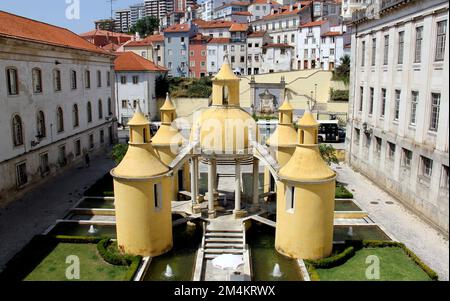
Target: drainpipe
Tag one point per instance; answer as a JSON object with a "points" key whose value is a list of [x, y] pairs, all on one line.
{"points": [[354, 91]]}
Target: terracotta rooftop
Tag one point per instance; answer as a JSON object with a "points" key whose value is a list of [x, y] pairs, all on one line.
{"points": [[265, 2], [215, 24], [279, 45], [219, 40], [178, 28], [332, 34], [242, 13], [99, 32], [147, 41], [239, 27], [313, 24], [130, 61], [16, 27], [257, 34], [111, 47]]}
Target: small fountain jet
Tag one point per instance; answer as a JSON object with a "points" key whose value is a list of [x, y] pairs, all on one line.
{"points": [[169, 272], [92, 230], [350, 231], [277, 271]]}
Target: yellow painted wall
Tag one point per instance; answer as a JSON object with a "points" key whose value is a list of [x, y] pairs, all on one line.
{"points": [[166, 155], [306, 233], [142, 230]]}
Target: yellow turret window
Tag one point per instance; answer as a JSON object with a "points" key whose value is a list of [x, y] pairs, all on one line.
{"points": [[157, 193], [290, 199], [225, 95]]}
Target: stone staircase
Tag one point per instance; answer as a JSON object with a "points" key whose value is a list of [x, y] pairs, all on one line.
{"points": [[223, 241]]}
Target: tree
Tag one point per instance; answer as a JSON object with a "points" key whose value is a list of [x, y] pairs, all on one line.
{"points": [[328, 153], [342, 72], [145, 26], [119, 152]]}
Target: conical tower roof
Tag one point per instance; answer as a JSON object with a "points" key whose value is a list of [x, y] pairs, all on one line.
{"points": [[225, 73], [308, 119], [139, 118], [168, 105], [286, 106]]}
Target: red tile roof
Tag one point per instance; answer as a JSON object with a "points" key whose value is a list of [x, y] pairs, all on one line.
{"points": [[331, 34], [242, 13], [257, 34], [265, 2], [130, 61], [111, 47], [98, 32], [215, 24], [313, 24], [219, 40], [147, 41], [239, 27], [16, 27], [279, 45], [178, 28]]}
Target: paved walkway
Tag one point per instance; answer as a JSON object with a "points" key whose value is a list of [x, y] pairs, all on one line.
{"points": [[430, 245], [42, 206]]}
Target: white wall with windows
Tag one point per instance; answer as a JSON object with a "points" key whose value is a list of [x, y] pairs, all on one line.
{"points": [[399, 104], [53, 100]]}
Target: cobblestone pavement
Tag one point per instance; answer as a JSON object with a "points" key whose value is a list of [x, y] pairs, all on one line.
{"points": [[42, 206], [428, 243]]}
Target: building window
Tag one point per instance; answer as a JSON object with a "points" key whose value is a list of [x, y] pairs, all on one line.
{"points": [[73, 79], [123, 80], [361, 98], [414, 102], [374, 51], [108, 79], [12, 81], [89, 111], [44, 166], [368, 140], [77, 147], [406, 157], [62, 156], [37, 80], [386, 50], [363, 53], [290, 198], [40, 125], [59, 120], [110, 112], [383, 103], [87, 79], [100, 109], [378, 144], [332, 51], [57, 80], [157, 194], [440, 40], [102, 136], [17, 130], [124, 104], [99, 79], [75, 116], [91, 141], [426, 167], [371, 101], [401, 46], [391, 151], [397, 105], [445, 177], [434, 118], [357, 136], [136, 79], [192, 63], [21, 174], [418, 46]]}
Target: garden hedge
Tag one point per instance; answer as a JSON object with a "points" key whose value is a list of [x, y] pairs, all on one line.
{"points": [[355, 245], [118, 259]]}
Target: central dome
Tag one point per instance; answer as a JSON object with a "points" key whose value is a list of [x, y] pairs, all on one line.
{"points": [[223, 127]]}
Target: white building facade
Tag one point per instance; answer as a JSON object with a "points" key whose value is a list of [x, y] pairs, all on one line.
{"points": [[57, 103], [277, 58], [398, 130]]}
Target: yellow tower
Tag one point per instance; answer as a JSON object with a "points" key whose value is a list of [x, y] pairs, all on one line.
{"points": [[142, 189], [283, 141], [305, 198], [167, 142]]}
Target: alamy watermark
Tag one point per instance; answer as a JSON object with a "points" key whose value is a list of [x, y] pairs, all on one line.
{"points": [[73, 9], [73, 270], [373, 270]]}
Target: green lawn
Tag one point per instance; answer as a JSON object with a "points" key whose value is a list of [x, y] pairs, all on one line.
{"points": [[395, 265], [92, 266]]}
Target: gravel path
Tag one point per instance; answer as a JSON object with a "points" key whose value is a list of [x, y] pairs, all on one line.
{"points": [[428, 243], [43, 205]]}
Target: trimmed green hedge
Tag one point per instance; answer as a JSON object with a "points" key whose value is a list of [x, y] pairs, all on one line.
{"points": [[342, 192], [349, 252], [339, 95], [115, 258]]}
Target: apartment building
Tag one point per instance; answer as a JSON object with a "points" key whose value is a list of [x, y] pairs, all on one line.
{"points": [[176, 48], [123, 20], [398, 130], [255, 41]]}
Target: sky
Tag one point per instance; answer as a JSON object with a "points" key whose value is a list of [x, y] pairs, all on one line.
{"points": [[63, 13]]}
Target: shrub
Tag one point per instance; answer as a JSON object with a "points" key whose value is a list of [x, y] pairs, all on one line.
{"points": [[339, 95], [342, 192], [333, 261], [119, 151], [328, 153]]}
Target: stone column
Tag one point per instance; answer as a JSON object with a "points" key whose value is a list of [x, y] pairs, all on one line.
{"points": [[215, 181], [255, 201], [238, 212], [194, 185], [211, 210]]}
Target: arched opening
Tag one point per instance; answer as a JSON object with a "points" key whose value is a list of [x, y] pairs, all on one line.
{"points": [[59, 120], [76, 119], [17, 130], [40, 125]]}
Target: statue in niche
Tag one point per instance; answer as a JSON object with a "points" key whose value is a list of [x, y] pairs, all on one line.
{"points": [[268, 103]]}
